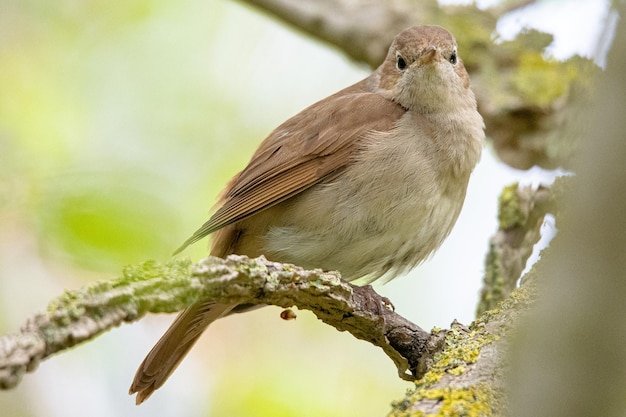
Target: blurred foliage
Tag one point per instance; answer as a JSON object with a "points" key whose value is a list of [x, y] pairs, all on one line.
{"points": [[119, 124], [107, 127]]}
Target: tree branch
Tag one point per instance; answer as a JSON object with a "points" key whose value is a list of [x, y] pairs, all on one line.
{"points": [[460, 367], [521, 214], [362, 29], [83, 314], [468, 377]]}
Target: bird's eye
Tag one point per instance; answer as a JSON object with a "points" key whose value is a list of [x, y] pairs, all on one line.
{"points": [[401, 63], [453, 58]]}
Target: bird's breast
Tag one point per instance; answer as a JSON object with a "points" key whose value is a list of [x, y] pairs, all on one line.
{"points": [[387, 211]]}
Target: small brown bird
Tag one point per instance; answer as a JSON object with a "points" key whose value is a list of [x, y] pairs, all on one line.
{"points": [[368, 182]]}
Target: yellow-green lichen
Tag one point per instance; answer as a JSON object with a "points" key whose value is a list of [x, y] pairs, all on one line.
{"points": [[456, 371], [494, 282], [509, 211], [452, 402], [124, 291], [462, 348], [520, 299], [541, 80], [174, 269]]}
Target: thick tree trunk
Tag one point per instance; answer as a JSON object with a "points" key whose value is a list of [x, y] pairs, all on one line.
{"points": [[569, 358]]}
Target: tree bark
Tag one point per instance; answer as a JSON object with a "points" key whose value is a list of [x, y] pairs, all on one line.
{"points": [[569, 357], [81, 315]]}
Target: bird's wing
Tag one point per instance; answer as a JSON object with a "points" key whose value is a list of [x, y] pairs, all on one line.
{"points": [[301, 152]]}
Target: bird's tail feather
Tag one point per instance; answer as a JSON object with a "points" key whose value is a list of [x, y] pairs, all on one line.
{"points": [[170, 350]]}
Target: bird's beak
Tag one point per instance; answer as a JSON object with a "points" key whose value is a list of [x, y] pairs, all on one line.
{"points": [[428, 55]]}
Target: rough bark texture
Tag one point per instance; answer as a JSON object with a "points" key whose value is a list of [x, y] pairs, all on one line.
{"points": [[468, 377], [460, 368], [83, 314]]}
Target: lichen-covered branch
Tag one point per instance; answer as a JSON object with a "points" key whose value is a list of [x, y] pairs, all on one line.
{"points": [[83, 314], [468, 377], [460, 367], [520, 216], [523, 94]]}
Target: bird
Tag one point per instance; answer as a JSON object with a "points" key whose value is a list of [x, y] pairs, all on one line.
{"points": [[368, 182]]}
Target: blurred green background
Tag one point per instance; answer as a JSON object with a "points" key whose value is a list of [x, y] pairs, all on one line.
{"points": [[119, 124]]}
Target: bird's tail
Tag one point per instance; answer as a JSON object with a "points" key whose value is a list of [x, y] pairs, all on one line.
{"points": [[170, 350]]}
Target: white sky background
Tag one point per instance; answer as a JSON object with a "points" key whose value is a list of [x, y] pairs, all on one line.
{"points": [[275, 79]]}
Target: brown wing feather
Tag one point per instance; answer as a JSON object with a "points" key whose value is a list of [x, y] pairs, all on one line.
{"points": [[301, 152]]}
